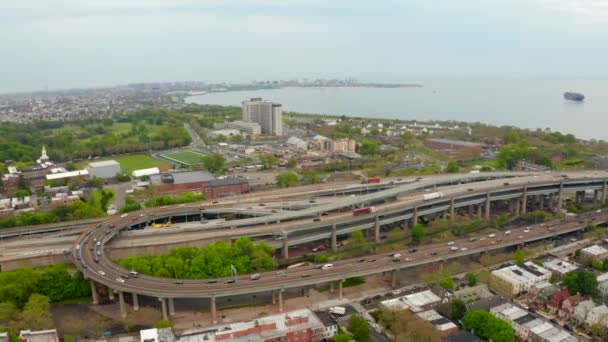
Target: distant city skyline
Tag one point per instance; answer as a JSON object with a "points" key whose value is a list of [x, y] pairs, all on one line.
{"points": [[78, 44]]}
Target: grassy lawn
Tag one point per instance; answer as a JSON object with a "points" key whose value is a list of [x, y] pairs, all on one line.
{"points": [[185, 157], [128, 163]]}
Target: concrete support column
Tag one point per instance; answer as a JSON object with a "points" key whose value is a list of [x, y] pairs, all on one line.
{"points": [[285, 248], [596, 195], [163, 308], [94, 296], [340, 288], [377, 229], [281, 300], [213, 310], [274, 297], [604, 189], [541, 202], [171, 307], [415, 216], [517, 206], [334, 238], [479, 209], [524, 200], [110, 294], [394, 278], [487, 211], [452, 209], [121, 301], [560, 193], [135, 302], [331, 287]]}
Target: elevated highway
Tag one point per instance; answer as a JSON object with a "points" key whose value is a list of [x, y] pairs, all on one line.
{"points": [[91, 258]]}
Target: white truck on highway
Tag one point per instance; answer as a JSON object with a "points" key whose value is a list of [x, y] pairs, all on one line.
{"points": [[432, 196]]}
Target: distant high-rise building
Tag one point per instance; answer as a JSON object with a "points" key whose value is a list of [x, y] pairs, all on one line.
{"points": [[267, 114]]}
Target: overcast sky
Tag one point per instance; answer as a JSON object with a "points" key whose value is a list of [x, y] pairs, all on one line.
{"points": [[80, 43]]}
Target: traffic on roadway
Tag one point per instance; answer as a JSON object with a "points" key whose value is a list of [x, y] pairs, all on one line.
{"points": [[95, 264]]}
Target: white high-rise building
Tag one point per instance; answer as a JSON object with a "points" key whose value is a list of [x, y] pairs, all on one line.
{"points": [[267, 114]]}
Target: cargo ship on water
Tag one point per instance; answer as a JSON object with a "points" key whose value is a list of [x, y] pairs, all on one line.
{"points": [[574, 96]]}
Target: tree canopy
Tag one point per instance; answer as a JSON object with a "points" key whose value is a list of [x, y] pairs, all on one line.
{"points": [[213, 260], [214, 163], [55, 282], [287, 179], [583, 282], [488, 327], [359, 328], [418, 232]]}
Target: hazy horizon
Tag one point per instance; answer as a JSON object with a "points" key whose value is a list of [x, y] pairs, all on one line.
{"points": [[63, 44]]}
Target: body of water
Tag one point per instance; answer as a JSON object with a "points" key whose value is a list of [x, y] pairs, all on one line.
{"points": [[522, 103]]}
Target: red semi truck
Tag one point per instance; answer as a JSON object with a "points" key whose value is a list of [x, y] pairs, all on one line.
{"points": [[371, 180], [363, 211]]}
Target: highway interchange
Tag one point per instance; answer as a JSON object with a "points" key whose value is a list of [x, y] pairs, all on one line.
{"points": [[90, 246]]}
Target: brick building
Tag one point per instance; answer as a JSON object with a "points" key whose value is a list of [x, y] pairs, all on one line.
{"points": [[295, 326], [225, 187], [180, 181]]}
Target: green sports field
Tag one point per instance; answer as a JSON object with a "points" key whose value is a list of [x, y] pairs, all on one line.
{"points": [[128, 163], [184, 157]]}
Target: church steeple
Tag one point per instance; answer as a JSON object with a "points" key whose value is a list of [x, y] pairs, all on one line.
{"points": [[44, 156]]}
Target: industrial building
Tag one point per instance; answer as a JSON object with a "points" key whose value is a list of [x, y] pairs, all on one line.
{"points": [[225, 187], [297, 143], [295, 326], [416, 302], [517, 279], [595, 252], [145, 172], [249, 128], [104, 169], [180, 181], [268, 115]]}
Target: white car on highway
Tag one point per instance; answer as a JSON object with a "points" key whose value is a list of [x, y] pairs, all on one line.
{"points": [[102, 272], [453, 248], [450, 243], [120, 280], [526, 230], [327, 266], [491, 235]]}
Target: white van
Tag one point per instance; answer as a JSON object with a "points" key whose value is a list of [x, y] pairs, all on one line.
{"points": [[327, 266]]}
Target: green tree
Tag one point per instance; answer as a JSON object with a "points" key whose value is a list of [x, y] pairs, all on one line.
{"points": [[342, 338], [447, 283], [267, 160], [357, 238], [71, 166], [95, 182], [583, 282], [369, 147], [36, 312], [359, 328], [21, 193], [471, 279], [519, 257], [418, 232], [488, 327], [457, 310], [311, 178], [452, 167], [286, 179], [8, 311], [214, 163], [292, 162]]}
